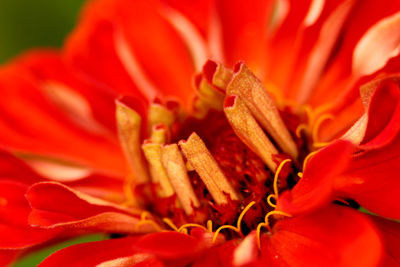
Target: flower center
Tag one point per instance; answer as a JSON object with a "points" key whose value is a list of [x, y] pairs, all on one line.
{"points": [[226, 162]]}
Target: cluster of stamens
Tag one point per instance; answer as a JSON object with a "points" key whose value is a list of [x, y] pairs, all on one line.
{"points": [[190, 181]]}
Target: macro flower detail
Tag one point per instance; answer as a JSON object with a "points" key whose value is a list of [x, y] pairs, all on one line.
{"points": [[209, 133]]}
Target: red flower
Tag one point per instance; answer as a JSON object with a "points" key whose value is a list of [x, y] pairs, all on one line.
{"points": [[264, 163]]}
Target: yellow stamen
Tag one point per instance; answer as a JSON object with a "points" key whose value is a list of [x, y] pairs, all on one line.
{"points": [[300, 174], [316, 127], [267, 225], [274, 212], [320, 144], [238, 227], [239, 221], [277, 176], [187, 225], [144, 222], [209, 225], [307, 158], [258, 233], [225, 227], [170, 224], [275, 195], [300, 128], [269, 200]]}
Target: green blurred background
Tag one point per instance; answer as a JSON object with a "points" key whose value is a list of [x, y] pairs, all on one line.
{"points": [[26, 24], [34, 23]]}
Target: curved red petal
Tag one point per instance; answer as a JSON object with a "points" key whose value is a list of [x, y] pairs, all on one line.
{"points": [[360, 20], [371, 179], [390, 232], [93, 253], [57, 206], [384, 116], [333, 236], [316, 187], [14, 210]]}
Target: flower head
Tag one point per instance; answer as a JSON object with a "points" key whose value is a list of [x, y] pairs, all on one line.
{"points": [[209, 133]]}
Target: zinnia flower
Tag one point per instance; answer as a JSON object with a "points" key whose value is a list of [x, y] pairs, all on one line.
{"points": [[208, 133]]}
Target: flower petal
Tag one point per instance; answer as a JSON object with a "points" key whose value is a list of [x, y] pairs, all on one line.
{"points": [[57, 206], [32, 124], [390, 233], [14, 209], [91, 254], [79, 98], [316, 187], [360, 21], [381, 122], [7, 257], [384, 39], [371, 180], [130, 33], [13, 168], [172, 248], [244, 30], [333, 236]]}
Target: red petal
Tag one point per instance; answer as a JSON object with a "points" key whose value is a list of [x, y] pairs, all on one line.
{"points": [[55, 205], [7, 257], [128, 35], [33, 124], [244, 31], [13, 168], [91, 254], [282, 50], [390, 232], [217, 256], [93, 37], [14, 209], [359, 22], [372, 180], [170, 246], [333, 236], [49, 68], [384, 116], [315, 188]]}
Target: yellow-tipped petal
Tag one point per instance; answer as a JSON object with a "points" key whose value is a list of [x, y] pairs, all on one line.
{"points": [[160, 134], [128, 124], [177, 174], [159, 114], [205, 165], [158, 174], [217, 74], [246, 85], [248, 130], [210, 95]]}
